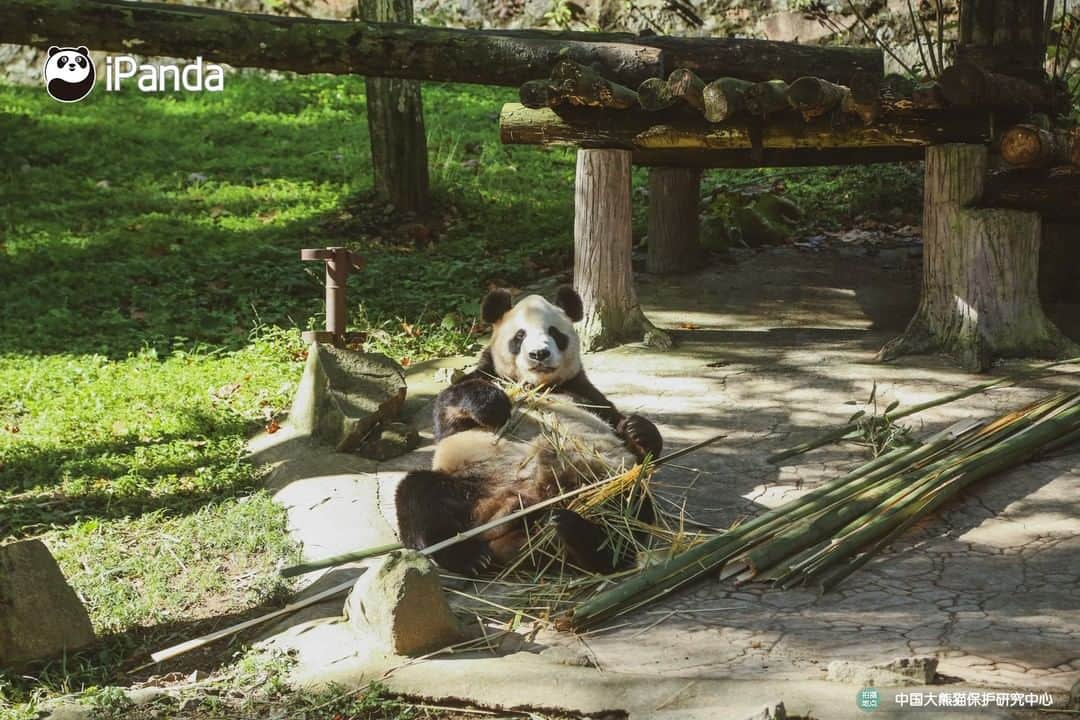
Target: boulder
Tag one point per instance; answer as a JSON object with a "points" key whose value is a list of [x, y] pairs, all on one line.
{"points": [[916, 670], [400, 603], [344, 395], [40, 615]]}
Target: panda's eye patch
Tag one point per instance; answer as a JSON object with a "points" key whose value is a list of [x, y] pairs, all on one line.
{"points": [[515, 342], [62, 60], [81, 61], [561, 339]]}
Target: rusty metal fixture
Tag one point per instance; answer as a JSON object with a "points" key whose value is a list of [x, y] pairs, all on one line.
{"points": [[340, 262]]}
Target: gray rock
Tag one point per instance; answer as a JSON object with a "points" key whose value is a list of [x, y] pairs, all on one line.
{"points": [[70, 711], [395, 439], [564, 655], [40, 615], [344, 395], [146, 695], [916, 670], [400, 602]]}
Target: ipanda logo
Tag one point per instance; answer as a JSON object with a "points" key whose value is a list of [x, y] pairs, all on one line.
{"points": [[69, 75]]}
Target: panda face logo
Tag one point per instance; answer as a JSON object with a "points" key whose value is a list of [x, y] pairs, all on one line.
{"points": [[69, 73]]}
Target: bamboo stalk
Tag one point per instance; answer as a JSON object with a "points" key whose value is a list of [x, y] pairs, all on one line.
{"points": [[846, 431]]}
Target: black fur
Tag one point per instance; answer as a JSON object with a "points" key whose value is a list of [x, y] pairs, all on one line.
{"points": [[562, 340], [469, 404], [514, 345], [567, 298], [495, 305], [433, 506]]}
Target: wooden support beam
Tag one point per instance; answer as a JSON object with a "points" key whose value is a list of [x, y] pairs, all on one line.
{"points": [[725, 99], [980, 296], [1034, 147], [1054, 193], [674, 233], [602, 246], [670, 134], [492, 57], [395, 118]]}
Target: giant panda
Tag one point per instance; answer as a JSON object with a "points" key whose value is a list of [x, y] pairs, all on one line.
{"points": [[69, 73], [482, 470]]}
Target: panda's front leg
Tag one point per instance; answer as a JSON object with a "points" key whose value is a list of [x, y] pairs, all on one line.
{"points": [[641, 436], [470, 404]]}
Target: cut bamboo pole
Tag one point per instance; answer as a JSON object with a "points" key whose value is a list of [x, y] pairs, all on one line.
{"points": [[847, 431]]}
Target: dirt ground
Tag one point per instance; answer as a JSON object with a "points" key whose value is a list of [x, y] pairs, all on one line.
{"points": [[770, 351]]}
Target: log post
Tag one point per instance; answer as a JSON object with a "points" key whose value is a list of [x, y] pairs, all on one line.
{"points": [[674, 244], [980, 295], [395, 113], [602, 243]]}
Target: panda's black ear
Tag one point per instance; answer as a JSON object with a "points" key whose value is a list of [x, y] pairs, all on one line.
{"points": [[567, 298], [496, 303], [53, 50], [82, 50]]}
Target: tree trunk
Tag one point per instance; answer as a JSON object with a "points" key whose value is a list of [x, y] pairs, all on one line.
{"points": [[980, 294], [395, 114], [602, 243], [493, 57], [674, 245]]}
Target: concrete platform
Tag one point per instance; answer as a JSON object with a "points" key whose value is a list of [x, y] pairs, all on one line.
{"points": [[770, 352]]}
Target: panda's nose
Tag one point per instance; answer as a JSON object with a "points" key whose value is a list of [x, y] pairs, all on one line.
{"points": [[541, 354]]}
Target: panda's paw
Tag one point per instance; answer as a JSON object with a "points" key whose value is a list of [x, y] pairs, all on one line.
{"points": [[641, 436], [487, 404]]}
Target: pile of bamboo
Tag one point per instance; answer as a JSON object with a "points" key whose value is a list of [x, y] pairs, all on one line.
{"points": [[823, 536]]}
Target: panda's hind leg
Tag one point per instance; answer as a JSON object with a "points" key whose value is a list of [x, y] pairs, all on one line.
{"points": [[431, 507], [470, 404], [588, 545]]}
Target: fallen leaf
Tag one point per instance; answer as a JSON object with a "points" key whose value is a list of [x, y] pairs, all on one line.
{"points": [[272, 427], [689, 326], [405, 362], [13, 429]]}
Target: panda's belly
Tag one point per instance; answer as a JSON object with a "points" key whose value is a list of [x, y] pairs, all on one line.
{"points": [[554, 443]]}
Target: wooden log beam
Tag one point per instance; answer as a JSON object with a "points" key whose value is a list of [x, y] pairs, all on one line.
{"points": [[684, 133], [681, 86], [968, 85], [814, 97], [1054, 193], [724, 99], [1034, 147], [574, 84], [498, 57]]}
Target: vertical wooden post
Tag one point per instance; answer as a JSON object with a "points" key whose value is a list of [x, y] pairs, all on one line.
{"points": [[980, 291], [395, 112], [674, 242], [602, 243]]}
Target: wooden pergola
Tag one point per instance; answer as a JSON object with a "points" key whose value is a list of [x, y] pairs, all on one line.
{"points": [[982, 223]]}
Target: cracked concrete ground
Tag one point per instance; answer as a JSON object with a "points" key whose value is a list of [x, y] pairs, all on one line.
{"points": [[770, 352]]}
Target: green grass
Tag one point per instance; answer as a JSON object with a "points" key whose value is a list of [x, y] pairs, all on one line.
{"points": [[153, 293]]}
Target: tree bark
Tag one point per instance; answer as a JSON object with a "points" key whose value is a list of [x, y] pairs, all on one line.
{"points": [[980, 296], [574, 84], [1054, 193], [395, 115], [682, 85], [602, 245], [682, 131], [968, 85], [674, 242], [494, 57]]}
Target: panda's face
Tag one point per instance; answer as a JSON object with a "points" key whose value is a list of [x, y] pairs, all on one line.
{"points": [[535, 342], [72, 65]]}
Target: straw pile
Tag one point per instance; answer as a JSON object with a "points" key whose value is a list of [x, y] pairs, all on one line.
{"points": [[541, 584], [823, 536]]}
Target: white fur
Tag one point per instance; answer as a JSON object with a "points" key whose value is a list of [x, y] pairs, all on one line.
{"points": [[548, 438], [68, 65], [535, 315]]}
